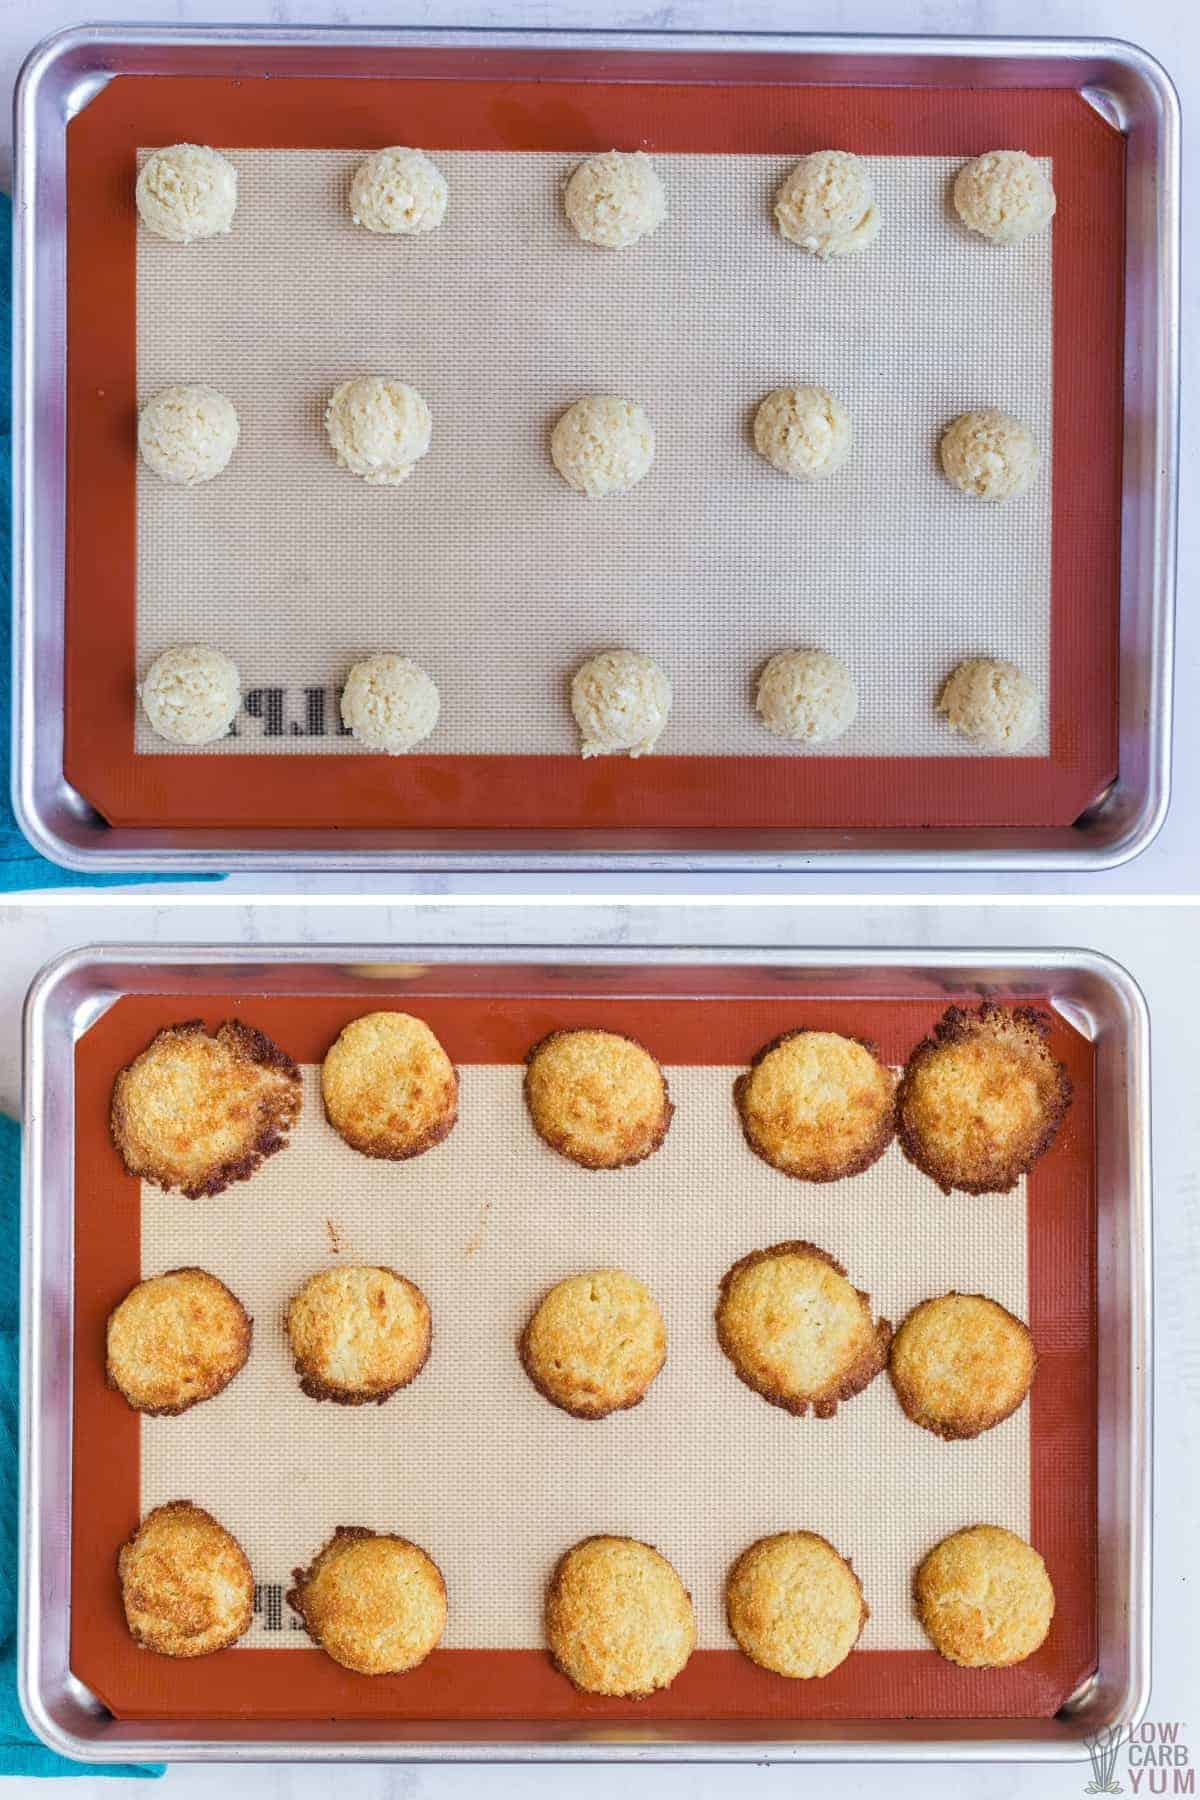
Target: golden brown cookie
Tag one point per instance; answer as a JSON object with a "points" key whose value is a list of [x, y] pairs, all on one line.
{"points": [[197, 1112], [597, 1097], [175, 1340], [794, 1605], [373, 1602], [389, 1088], [186, 1585], [358, 1334], [982, 1099], [618, 1618], [595, 1343], [817, 1105], [984, 1597], [960, 1364], [796, 1331]]}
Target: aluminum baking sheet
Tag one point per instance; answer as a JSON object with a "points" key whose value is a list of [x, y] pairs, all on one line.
{"points": [[721, 828], [452, 1253]]}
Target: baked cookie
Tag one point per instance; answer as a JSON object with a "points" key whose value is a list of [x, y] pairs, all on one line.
{"points": [[618, 1618], [982, 1098], [796, 1331], [794, 1605], [358, 1334], [389, 1088], [175, 1340], [373, 1602], [197, 1111], [984, 1597], [186, 1585], [597, 1097], [595, 1343], [817, 1105], [960, 1364]]}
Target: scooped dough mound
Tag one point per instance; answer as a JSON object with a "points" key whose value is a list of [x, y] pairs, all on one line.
{"points": [[1004, 195], [187, 434], [191, 694], [378, 428], [615, 199], [806, 695], [803, 432], [398, 191], [827, 204], [621, 701], [603, 445], [187, 192], [989, 454], [992, 703], [390, 703]]}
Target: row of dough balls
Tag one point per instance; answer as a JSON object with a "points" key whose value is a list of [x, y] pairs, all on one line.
{"points": [[621, 700], [379, 428], [825, 205], [617, 1618]]}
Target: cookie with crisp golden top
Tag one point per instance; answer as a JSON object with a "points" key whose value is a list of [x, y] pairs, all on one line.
{"points": [[373, 1602], [186, 1585], [197, 1112], [794, 1605], [984, 1597], [797, 1331], [389, 1088], [817, 1105], [358, 1334], [597, 1097], [960, 1364], [982, 1099], [595, 1343], [175, 1340], [618, 1619]]}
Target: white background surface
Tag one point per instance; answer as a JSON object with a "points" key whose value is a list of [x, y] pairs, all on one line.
{"points": [[1157, 943], [1167, 28]]}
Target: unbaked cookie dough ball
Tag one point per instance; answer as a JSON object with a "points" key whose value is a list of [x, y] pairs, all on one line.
{"points": [[602, 445], [191, 694], [185, 192], [803, 431], [991, 703], [827, 204], [806, 695], [989, 454], [621, 701], [187, 434], [1004, 195], [615, 199], [390, 703], [378, 428], [398, 192]]}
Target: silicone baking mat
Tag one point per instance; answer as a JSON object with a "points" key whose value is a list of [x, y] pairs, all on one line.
{"points": [[473, 1464], [485, 567]]}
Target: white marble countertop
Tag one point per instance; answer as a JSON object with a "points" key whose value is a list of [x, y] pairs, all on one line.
{"points": [[1158, 944], [1167, 28]]}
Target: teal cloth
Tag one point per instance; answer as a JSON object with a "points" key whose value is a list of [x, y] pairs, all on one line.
{"points": [[21, 1753], [20, 865]]}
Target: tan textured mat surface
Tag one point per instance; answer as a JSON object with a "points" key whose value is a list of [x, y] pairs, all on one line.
{"points": [[483, 565], [475, 1465]]}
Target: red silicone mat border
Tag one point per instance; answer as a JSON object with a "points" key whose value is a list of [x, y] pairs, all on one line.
{"points": [[520, 1685]]}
